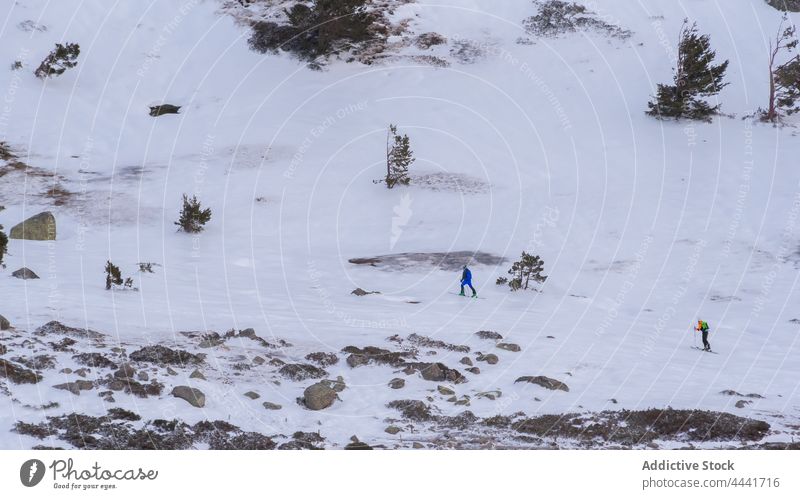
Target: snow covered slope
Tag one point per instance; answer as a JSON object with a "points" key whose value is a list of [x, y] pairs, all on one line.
{"points": [[644, 226]]}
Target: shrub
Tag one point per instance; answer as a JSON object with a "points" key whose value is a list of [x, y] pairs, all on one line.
{"points": [[529, 267], [399, 157], [59, 60], [193, 217], [316, 30], [3, 246], [556, 17], [501, 280], [16, 65], [695, 77], [114, 277]]}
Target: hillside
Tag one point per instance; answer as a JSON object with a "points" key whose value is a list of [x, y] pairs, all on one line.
{"points": [[522, 142]]}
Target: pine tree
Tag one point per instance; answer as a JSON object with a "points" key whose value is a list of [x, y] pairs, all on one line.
{"points": [[784, 79], [3, 245], [529, 267], [59, 60], [113, 275], [399, 157], [192, 217], [696, 77]]}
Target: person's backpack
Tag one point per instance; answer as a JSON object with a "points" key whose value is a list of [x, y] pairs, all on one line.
{"points": [[703, 326]]}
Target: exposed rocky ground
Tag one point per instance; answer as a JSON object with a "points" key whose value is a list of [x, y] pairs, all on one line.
{"points": [[69, 365]]}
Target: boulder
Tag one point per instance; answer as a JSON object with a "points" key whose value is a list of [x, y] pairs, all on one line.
{"points": [[197, 375], [75, 387], [40, 227], [125, 371], [489, 358], [489, 335], [544, 382], [18, 374], [272, 407], [319, 396], [24, 273], [392, 430], [510, 347], [252, 395], [397, 383], [444, 390], [466, 361], [436, 371], [4, 324], [164, 109], [192, 395], [474, 370]]}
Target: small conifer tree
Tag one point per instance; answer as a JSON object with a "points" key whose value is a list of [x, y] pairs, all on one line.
{"points": [[529, 267], [192, 217], [399, 157], [59, 60], [696, 77], [113, 275]]}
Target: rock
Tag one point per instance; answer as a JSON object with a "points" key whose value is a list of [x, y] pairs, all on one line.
{"points": [[323, 359], [466, 361], [429, 39], [489, 358], [40, 227], [82, 372], [164, 109], [192, 395], [142, 376], [453, 399], [3, 350], [474, 370], [392, 430], [337, 385], [437, 371], [301, 372], [75, 387], [363, 356], [276, 362], [489, 335], [161, 355], [613, 401], [4, 324], [171, 371], [197, 375], [361, 292], [445, 390], [252, 395], [415, 410], [272, 407], [319, 396], [357, 446], [511, 347], [66, 370], [742, 403], [125, 371], [544, 382], [258, 360], [491, 395], [18, 374], [463, 401], [94, 359], [397, 383], [785, 5], [24, 273], [417, 445]]}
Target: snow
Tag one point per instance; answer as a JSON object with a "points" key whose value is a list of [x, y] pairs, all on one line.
{"points": [[644, 226]]}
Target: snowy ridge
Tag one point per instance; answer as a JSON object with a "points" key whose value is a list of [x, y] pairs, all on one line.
{"points": [[539, 145]]}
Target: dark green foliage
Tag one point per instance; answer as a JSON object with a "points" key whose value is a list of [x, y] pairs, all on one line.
{"points": [[113, 275], [696, 77], [501, 280], [59, 60], [399, 157], [316, 29], [556, 17], [529, 267], [193, 217], [787, 79], [3, 245]]}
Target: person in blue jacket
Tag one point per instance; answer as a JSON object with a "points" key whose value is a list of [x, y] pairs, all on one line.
{"points": [[466, 280]]}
